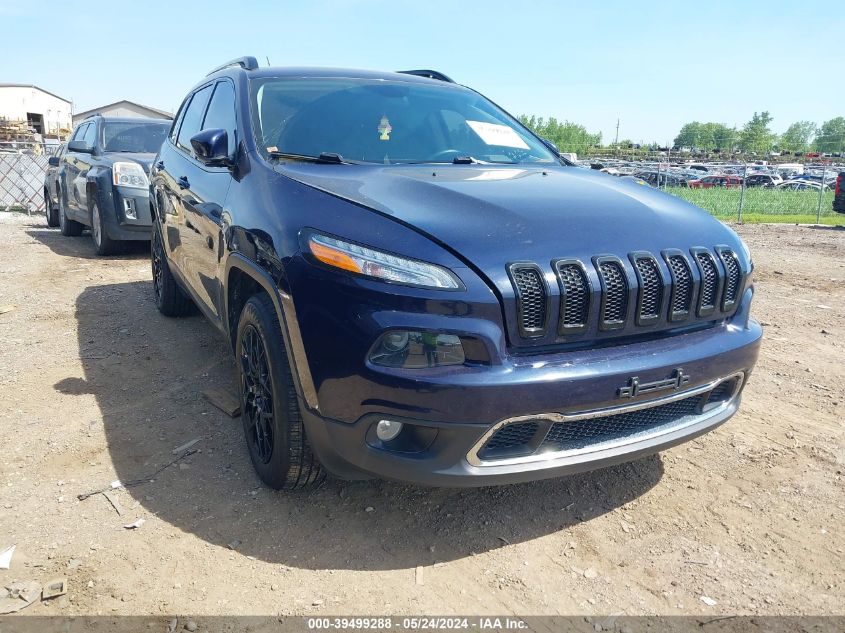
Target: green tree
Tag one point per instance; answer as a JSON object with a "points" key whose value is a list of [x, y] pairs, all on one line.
{"points": [[721, 136], [705, 136], [568, 136], [756, 135], [831, 136], [690, 135], [797, 137]]}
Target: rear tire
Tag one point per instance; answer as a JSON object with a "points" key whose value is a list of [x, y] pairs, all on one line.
{"points": [[103, 244], [275, 433], [170, 299], [50, 210], [68, 227]]}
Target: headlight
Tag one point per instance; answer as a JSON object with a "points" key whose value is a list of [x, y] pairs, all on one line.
{"points": [[129, 175], [417, 350], [367, 261]]}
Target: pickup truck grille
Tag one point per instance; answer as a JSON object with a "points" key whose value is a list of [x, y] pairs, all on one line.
{"points": [[609, 293]]}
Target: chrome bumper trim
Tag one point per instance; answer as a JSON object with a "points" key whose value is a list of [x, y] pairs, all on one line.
{"points": [[473, 458]]}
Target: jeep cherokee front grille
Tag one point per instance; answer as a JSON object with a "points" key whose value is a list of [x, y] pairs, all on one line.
{"points": [[682, 286], [710, 281], [531, 299], [614, 297], [733, 277], [650, 297], [669, 291], [574, 296]]}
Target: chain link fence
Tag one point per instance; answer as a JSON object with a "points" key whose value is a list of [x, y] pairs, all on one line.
{"points": [[742, 192], [22, 169]]}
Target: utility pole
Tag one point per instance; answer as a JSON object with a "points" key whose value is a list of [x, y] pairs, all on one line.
{"points": [[616, 142]]}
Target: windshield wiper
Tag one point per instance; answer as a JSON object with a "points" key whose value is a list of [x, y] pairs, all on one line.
{"points": [[464, 160], [324, 158]]}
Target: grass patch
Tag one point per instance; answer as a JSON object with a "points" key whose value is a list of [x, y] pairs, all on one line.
{"points": [[763, 205]]}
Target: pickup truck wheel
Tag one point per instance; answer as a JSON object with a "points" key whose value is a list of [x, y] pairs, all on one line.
{"points": [[275, 434], [68, 227], [50, 210], [103, 244], [169, 297]]}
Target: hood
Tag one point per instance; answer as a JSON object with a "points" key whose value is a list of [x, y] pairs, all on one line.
{"points": [[145, 160], [495, 216], [492, 215]]}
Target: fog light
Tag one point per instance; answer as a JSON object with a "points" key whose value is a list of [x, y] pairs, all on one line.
{"points": [[129, 209], [387, 430]]}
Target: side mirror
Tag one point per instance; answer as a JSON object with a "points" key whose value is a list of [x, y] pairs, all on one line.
{"points": [[53, 161], [211, 147], [81, 147], [551, 146]]}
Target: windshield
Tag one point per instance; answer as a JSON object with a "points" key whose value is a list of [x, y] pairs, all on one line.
{"points": [[129, 136], [387, 122]]}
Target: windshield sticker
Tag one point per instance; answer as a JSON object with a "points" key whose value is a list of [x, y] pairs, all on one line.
{"points": [[384, 128], [500, 135]]}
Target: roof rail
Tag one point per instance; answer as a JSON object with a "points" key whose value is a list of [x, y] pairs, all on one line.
{"points": [[93, 115], [247, 63], [431, 74]]}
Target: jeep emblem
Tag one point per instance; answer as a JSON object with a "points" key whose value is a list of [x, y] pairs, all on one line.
{"points": [[635, 387]]}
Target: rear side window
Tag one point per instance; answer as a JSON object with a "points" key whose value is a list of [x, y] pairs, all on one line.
{"points": [[192, 119], [221, 111]]}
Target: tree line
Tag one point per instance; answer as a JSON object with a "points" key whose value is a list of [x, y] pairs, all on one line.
{"points": [[755, 136]]}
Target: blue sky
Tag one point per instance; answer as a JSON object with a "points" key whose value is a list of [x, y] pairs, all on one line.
{"points": [[654, 66]]}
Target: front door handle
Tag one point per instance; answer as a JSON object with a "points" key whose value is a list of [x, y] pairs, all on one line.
{"points": [[183, 183]]}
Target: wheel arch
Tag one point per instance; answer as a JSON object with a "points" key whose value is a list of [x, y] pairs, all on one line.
{"points": [[243, 278]]}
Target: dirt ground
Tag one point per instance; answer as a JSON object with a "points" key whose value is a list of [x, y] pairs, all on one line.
{"points": [[96, 386]]}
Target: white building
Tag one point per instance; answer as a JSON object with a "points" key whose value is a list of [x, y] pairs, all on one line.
{"points": [[45, 112], [124, 108]]}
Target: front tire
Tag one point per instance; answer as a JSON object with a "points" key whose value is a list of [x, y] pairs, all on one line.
{"points": [[275, 434], [68, 227], [103, 244], [169, 297]]}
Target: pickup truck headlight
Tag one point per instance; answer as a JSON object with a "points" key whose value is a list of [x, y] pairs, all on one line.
{"points": [[380, 265], [129, 175], [411, 349]]}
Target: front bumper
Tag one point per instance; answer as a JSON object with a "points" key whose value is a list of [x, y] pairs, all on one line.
{"points": [[126, 213], [452, 458], [460, 411]]}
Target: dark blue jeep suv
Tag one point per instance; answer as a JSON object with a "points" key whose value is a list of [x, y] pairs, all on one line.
{"points": [[416, 287]]}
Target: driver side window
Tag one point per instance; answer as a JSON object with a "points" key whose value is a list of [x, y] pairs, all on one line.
{"points": [[91, 134]]}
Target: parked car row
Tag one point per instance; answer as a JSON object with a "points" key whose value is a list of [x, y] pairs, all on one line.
{"points": [[98, 180], [379, 252]]}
